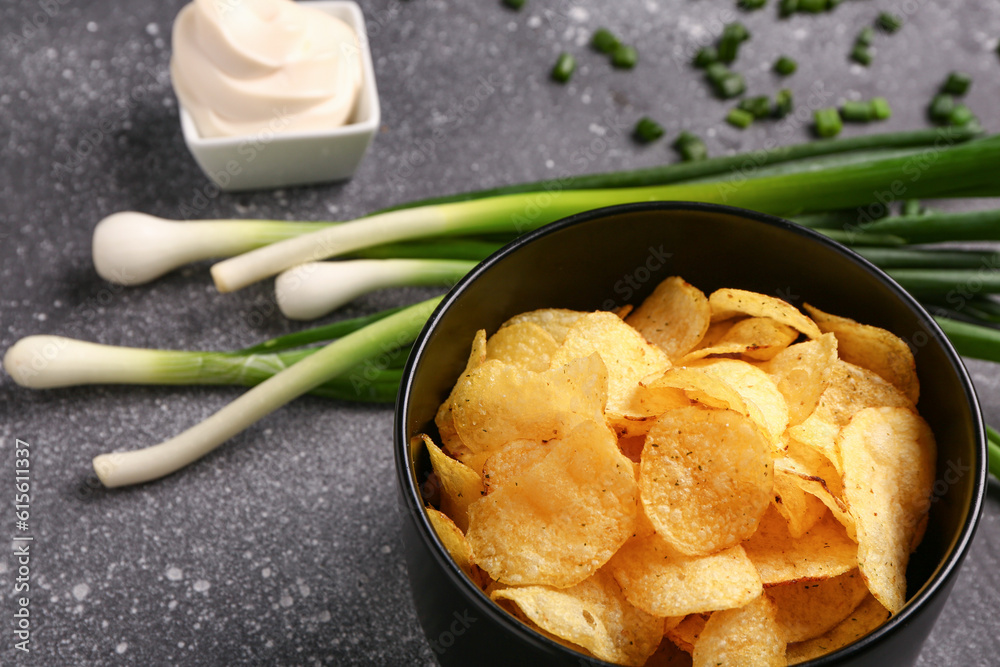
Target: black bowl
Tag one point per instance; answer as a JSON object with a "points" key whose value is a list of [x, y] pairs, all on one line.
{"points": [[609, 257]]}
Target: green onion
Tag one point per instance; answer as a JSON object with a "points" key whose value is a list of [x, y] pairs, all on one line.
{"points": [[960, 115], [733, 34], [861, 54], [889, 23], [690, 147], [730, 86], [993, 452], [514, 4], [940, 226], [828, 123], [941, 107], [624, 57], [880, 108], [334, 360], [320, 334], [604, 41], [758, 107], [923, 282], [788, 7], [865, 37], [908, 258], [812, 6], [739, 118], [957, 84], [783, 103], [564, 67], [785, 66], [647, 130], [750, 5], [972, 340], [857, 112], [705, 57]]}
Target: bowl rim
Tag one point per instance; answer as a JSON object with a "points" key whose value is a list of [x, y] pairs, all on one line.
{"points": [[410, 492]]}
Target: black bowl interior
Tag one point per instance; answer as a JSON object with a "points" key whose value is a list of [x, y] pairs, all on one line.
{"points": [[608, 258]]}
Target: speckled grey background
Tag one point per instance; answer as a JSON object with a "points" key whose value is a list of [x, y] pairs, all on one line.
{"points": [[282, 546]]}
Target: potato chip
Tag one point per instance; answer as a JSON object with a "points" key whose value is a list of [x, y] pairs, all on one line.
{"points": [[565, 516], [749, 635], [765, 404], [686, 633], [878, 350], [621, 312], [869, 615], [759, 338], [659, 580], [800, 509], [523, 344], [497, 403], [556, 321], [851, 389], [506, 464], [628, 356], [810, 608], [802, 373], [675, 317], [824, 551], [593, 614], [817, 476], [669, 655], [701, 386], [647, 404], [454, 541], [888, 456], [705, 478], [727, 303], [460, 484], [444, 419]]}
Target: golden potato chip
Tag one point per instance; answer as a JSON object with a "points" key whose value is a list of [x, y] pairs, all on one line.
{"points": [[698, 385], [675, 317], [647, 404], [800, 509], [506, 464], [851, 389], [759, 338], [460, 484], [727, 303], [802, 373], [686, 633], [716, 330], [659, 580], [623, 311], [453, 540], [878, 350], [444, 419], [869, 615], [817, 476], [705, 478], [749, 635], [824, 551], [565, 516], [593, 614], [497, 403], [888, 456], [765, 404], [808, 609], [523, 344], [556, 321], [627, 355]]}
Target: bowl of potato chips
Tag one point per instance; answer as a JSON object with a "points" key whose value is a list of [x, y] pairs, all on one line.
{"points": [[676, 434]]}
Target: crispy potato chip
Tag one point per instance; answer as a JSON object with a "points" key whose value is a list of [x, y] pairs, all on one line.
{"points": [[557, 321], [808, 609], [705, 478], [749, 635], [727, 303], [878, 350], [628, 356], [453, 540], [444, 419], [800, 509], [686, 633], [802, 373], [523, 344], [506, 464], [889, 456], [647, 404], [817, 476], [765, 404], [659, 580], [675, 317], [460, 484], [869, 615], [824, 551], [497, 403], [851, 389], [759, 338], [565, 516], [623, 311], [701, 386], [593, 614]]}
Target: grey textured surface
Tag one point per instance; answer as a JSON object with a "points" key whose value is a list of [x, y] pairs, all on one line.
{"points": [[282, 546]]}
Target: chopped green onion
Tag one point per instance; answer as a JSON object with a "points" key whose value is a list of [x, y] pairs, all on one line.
{"points": [[739, 118], [941, 107], [812, 6], [888, 23], [514, 4], [647, 130], [564, 67], [624, 57], [828, 123], [960, 115], [865, 37], [861, 54], [716, 72], [733, 34], [730, 85], [957, 84], [788, 7], [705, 57], [759, 106], [690, 147], [880, 108], [750, 5], [604, 41], [785, 66], [856, 112], [783, 103]]}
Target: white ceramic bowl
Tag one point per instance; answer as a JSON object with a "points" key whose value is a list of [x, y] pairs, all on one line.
{"points": [[273, 160]]}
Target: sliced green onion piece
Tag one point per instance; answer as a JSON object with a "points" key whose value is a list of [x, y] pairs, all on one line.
{"points": [[730, 86], [783, 103], [604, 41], [750, 5], [624, 57], [861, 54], [690, 147], [705, 57], [788, 7], [514, 4], [564, 67], [888, 23], [813, 6], [880, 108], [739, 118], [941, 108], [957, 84], [733, 34], [785, 66], [759, 106], [828, 123], [716, 72], [647, 130], [856, 112], [865, 37], [960, 115]]}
